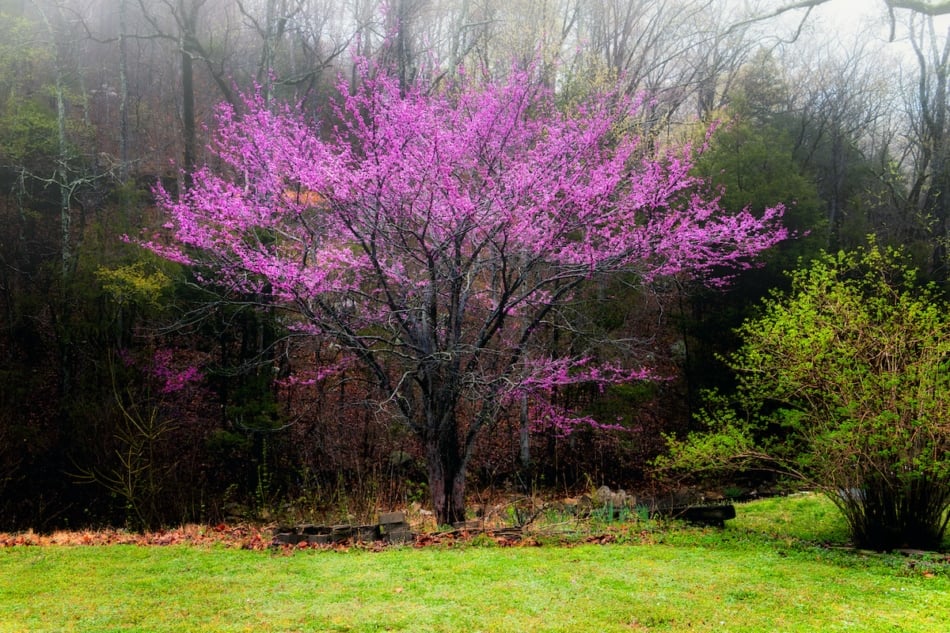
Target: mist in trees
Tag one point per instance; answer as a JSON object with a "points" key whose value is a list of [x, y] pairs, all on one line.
{"points": [[135, 390]]}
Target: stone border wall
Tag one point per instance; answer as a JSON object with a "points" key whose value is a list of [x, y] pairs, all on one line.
{"points": [[391, 528]]}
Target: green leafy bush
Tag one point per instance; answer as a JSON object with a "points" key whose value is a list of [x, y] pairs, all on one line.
{"points": [[844, 384]]}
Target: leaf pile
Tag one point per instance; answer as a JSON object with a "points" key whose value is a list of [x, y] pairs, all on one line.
{"points": [[240, 537]]}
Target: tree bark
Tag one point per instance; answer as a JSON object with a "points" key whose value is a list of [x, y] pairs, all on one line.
{"points": [[932, 88], [188, 111], [524, 436], [446, 484], [446, 462], [123, 94]]}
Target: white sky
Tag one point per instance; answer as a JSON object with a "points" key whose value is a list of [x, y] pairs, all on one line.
{"points": [[844, 23]]}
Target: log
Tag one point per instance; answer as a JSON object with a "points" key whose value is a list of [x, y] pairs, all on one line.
{"points": [[715, 515]]}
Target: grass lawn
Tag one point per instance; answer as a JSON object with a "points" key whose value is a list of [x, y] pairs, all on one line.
{"points": [[762, 573]]}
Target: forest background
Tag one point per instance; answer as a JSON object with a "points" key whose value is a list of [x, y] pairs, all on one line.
{"points": [[132, 393]]}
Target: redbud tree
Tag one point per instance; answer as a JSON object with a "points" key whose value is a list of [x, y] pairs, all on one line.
{"points": [[432, 235]]}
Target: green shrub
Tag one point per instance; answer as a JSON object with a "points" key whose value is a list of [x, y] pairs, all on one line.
{"points": [[844, 384]]}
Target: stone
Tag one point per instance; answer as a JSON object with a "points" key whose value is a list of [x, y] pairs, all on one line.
{"points": [[386, 518], [604, 497], [366, 533], [340, 533], [390, 527], [289, 538], [398, 535]]}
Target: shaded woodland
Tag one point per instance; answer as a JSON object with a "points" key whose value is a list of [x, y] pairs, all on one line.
{"points": [[134, 391]]}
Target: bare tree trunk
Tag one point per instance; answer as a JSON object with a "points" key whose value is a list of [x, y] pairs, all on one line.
{"points": [[61, 180], [123, 93], [186, 14], [932, 92], [188, 110], [446, 466], [60, 175], [524, 435]]}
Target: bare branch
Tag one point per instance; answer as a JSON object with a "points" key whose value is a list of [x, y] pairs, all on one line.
{"points": [[802, 4], [921, 6]]}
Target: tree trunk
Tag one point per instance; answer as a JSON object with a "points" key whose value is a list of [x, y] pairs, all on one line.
{"points": [[62, 180], [524, 435], [933, 86], [123, 95], [446, 464], [188, 111]]}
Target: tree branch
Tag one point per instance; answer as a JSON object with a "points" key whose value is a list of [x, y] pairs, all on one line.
{"points": [[924, 7], [920, 6]]}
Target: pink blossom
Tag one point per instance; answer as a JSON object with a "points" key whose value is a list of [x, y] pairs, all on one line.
{"points": [[429, 233], [170, 378]]}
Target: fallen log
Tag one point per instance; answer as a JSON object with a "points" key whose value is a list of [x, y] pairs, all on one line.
{"points": [[714, 515]]}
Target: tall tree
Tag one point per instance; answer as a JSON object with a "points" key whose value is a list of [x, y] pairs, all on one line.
{"points": [[931, 187], [835, 118], [295, 43], [187, 17], [434, 238]]}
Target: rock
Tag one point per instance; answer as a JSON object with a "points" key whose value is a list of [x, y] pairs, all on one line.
{"points": [[367, 533], [289, 538], [386, 518], [340, 533], [392, 527], [398, 534], [604, 496]]}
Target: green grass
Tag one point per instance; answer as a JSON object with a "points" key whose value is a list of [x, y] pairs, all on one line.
{"points": [[760, 574], [808, 517]]}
